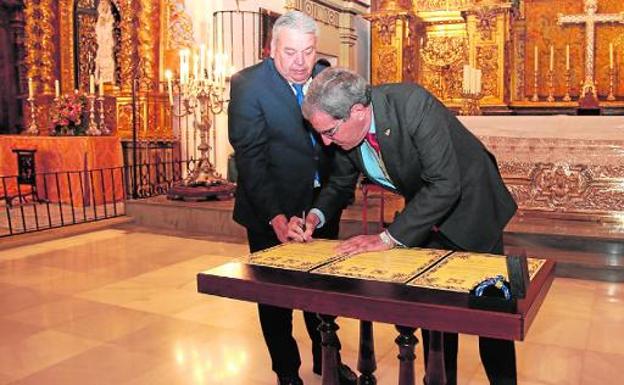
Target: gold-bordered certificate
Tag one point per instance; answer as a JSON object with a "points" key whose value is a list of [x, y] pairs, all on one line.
{"points": [[461, 271], [396, 265], [296, 256]]}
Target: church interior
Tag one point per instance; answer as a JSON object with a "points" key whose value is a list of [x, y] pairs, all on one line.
{"points": [[117, 178]]}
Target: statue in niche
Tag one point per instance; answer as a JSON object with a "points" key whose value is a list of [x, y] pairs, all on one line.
{"points": [[98, 34], [105, 37]]}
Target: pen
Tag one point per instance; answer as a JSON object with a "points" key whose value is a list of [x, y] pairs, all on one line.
{"points": [[303, 224]]}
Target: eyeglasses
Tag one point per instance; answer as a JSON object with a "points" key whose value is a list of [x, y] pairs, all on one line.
{"points": [[331, 132]]}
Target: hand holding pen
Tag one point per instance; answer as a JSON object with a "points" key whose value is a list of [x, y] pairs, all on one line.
{"points": [[301, 229]]}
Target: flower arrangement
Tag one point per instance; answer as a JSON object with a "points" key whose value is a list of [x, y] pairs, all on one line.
{"points": [[68, 113]]}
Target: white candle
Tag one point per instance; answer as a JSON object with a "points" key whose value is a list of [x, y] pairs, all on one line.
{"points": [[209, 61], [535, 59], [57, 89], [202, 61], [195, 66], [168, 75], [181, 66], [101, 87], [30, 88], [611, 55], [551, 64], [91, 85], [567, 57]]}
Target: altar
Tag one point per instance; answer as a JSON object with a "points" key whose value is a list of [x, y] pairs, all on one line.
{"points": [[70, 169], [565, 167]]}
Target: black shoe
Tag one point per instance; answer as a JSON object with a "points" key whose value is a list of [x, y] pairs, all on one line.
{"points": [[346, 376], [289, 380]]}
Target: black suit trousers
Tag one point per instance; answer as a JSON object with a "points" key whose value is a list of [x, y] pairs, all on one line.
{"points": [[498, 356], [276, 322]]}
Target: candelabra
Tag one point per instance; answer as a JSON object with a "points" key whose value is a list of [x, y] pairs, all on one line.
{"points": [[567, 97], [535, 98], [611, 96], [93, 128], [32, 126], [103, 127], [551, 86], [470, 103], [202, 99]]}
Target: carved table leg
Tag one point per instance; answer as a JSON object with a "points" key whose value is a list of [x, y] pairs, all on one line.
{"points": [[407, 342], [435, 373], [366, 358], [328, 329]]}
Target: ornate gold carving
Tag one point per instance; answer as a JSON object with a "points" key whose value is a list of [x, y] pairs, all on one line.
{"points": [[434, 5], [386, 28], [519, 37], [128, 56], [487, 61], [39, 34], [86, 3], [443, 55], [66, 38], [486, 21], [441, 51], [180, 26], [148, 47], [87, 43], [387, 68]]}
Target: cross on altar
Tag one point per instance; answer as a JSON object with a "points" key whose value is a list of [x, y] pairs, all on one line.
{"points": [[590, 18]]}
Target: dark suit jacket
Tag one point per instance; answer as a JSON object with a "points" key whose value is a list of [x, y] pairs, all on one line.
{"points": [[274, 155], [446, 175]]}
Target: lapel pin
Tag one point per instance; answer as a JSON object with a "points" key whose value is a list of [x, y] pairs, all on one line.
{"points": [[387, 132]]}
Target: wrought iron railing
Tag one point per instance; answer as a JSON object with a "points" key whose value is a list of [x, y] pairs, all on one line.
{"points": [[58, 199]]}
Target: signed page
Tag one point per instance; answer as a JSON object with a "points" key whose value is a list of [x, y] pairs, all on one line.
{"points": [[396, 265], [296, 256], [461, 271]]}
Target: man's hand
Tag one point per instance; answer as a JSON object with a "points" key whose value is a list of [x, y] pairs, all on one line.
{"points": [[300, 231], [280, 226], [363, 243]]}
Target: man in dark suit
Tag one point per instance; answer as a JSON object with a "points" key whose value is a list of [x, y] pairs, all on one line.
{"points": [[281, 166], [405, 140]]}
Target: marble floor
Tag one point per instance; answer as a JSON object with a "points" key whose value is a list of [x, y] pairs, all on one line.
{"points": [[119, 306]]}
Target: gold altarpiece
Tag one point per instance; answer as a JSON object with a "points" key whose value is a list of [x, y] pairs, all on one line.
{"points": [[52, 42], [429, 42]]}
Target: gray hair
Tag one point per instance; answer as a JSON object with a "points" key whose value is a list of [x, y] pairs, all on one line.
{"points": [[294, 20], [334, 91]]}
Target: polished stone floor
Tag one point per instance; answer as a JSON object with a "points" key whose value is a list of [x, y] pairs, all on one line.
{"points": [[119, 306]]}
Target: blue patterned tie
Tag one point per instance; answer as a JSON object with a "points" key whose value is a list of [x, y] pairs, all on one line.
{"points": [[299, 94]]}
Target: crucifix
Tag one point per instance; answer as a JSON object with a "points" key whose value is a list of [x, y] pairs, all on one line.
{"points": [[590, 18]]}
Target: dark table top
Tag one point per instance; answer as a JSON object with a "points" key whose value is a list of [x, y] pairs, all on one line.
{"points": [[391, 303]]}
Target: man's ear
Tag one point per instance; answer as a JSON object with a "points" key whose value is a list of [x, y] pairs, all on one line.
{"points": [[358, 108]]}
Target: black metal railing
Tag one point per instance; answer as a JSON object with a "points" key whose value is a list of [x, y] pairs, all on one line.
{"points": [[57, 199]]}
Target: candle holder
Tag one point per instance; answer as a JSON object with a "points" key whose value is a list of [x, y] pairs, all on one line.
{"points": [[93, 128], [611, 96], [203, 99], [535, 98], [471, 104], [32, 126], [567, 97], [103, 127], [551, 86]]}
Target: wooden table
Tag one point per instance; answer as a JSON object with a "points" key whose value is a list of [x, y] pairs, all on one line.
{"points": [[405, 306]]}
